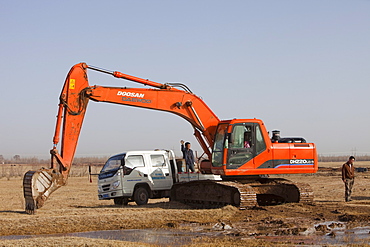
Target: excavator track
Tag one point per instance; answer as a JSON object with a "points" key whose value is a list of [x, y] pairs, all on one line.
{"points": [[277, 191], [242, 194], [306, 194], [211, 194], [247, 195]]}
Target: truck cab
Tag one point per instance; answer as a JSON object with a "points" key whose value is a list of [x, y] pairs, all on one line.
{"points": [[140, 175], [137, 176]]}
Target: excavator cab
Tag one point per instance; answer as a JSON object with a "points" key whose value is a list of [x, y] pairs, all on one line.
{"points": [[244, 143], [236, 144], [243, 147]]}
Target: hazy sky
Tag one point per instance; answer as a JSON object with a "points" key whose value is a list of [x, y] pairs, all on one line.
{"points": [[303, 67]]}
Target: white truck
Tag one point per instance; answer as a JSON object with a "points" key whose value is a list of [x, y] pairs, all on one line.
{"points": [[140, 175]]}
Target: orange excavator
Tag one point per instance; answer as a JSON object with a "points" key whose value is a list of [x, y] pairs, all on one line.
{"points": [[240, 150]]}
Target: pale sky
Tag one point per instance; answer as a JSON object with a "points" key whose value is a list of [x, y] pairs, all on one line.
{"points": [[300, 66]]}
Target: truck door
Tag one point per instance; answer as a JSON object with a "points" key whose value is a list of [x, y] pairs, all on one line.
{"points": [[160, 174], [134, 172]]}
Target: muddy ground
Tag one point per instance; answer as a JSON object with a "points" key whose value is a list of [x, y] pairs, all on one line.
{"points": [[75, 208]]}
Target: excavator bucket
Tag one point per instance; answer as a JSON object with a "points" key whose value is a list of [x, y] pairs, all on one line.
{"points": [[38, 185]]}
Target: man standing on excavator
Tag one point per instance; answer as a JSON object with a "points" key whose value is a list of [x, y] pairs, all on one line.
{"points": [[348, 177], [188, 155]]}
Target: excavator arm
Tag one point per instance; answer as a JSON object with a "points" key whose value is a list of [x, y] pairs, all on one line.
{"points": [[74, 98]]}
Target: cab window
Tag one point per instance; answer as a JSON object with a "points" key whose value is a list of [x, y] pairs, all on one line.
{"points": [[241, 148], [237, 136], [219, 145], [157, 160], [260, 142], [134, 161]]}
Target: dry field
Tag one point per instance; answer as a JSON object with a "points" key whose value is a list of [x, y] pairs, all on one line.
{"points": [[75, 208]]}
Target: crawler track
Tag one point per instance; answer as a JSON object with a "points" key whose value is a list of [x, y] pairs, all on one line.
{"points": [[306, 194], [210, 194], [277, 191], [243, 194]]}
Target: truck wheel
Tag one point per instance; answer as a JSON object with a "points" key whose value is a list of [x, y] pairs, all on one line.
{"points": [[141, 196], [120, 201]]}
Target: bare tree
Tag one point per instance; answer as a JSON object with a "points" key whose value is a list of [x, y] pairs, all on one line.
{"points": [[17, 158]]}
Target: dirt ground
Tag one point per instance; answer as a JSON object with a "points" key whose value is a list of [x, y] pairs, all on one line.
{"points": [[75, 208]]}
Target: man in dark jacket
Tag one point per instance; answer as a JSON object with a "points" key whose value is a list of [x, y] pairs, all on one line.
{"points": [[348, 177], [188, 155]]}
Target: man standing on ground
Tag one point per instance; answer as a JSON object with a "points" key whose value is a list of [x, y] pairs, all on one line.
{"points": [[188, 155], [348, 177]]}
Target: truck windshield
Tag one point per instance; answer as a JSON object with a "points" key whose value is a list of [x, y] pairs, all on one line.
{"points": [[113, 163]]}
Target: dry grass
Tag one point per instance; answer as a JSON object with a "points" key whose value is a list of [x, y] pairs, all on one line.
{"points": [[76, 208], [70, 241], [87, 242], [18, 170], [340, 163]]}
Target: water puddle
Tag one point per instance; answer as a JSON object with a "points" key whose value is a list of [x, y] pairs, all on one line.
{"points": [[153, 236], [337, 233], [356, 235], [331, 233]]}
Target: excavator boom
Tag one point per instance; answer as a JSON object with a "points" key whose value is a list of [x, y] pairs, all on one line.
{"points": [[73, 101]]}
